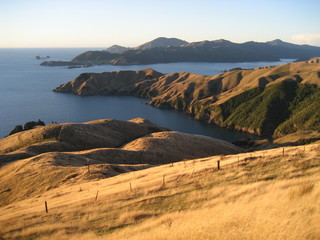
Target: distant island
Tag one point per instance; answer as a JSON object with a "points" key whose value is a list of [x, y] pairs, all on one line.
{"points": [[271, 101], [41, 58], [170, 50]]}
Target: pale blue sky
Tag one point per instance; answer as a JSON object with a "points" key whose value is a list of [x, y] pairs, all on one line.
{"points": [[102, 23]]}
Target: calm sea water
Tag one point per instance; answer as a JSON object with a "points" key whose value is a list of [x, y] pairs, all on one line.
{"points": [[26, 93]]}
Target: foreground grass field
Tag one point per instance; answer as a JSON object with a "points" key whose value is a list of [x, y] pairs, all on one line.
{"points": [[271, 194]]}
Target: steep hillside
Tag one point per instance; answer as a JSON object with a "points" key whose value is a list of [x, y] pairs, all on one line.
{"points": [[305, 111], [268, 194], [281, 109], [265, 101]]}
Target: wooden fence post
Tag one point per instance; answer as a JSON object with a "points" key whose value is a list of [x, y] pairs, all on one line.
{"points": [[97, 196], [130, 187], [88, 162], [218, 164], [163, 180], [46, 206], [282, 152]]}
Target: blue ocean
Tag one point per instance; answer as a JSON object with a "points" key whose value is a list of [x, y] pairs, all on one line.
{"points": [[26, 93]]}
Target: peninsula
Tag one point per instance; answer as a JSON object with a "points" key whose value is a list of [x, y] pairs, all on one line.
{"points": [[270, 101]]}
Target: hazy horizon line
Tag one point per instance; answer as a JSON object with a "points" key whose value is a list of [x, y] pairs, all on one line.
{"points": [[124, 45]]}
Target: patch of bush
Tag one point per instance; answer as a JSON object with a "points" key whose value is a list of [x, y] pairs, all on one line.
{"points": [[27, 126], [277, 110], [32, 124], [16, 129]]}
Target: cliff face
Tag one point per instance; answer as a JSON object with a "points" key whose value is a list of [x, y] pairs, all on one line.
{"points": [[246, 100]]}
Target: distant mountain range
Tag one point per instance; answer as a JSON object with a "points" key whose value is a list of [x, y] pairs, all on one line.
{"points": [[168, 50]]}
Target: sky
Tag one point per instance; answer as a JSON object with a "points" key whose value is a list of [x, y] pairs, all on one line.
{"points": [[103, 23]]}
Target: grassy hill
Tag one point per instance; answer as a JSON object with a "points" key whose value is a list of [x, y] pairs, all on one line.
{"points": [[46, 157], [272, 194]]}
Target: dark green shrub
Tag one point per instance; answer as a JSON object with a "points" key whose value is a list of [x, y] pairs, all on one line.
{"points": [[32, 124], [17, 128]]}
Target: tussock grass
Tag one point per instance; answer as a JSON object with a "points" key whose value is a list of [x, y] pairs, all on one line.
{"points": [[268, 196], [302, 189]]}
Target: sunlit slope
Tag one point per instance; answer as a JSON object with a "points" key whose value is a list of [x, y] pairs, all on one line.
{"points": [[260, 195], [48, 157], [71, 136]]}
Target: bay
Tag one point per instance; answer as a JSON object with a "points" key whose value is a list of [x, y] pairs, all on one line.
{"points": [[26, 93]]}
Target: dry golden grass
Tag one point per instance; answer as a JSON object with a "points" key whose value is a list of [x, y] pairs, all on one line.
{"points": [[267, 195], [298, 136], [93, 150]]}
